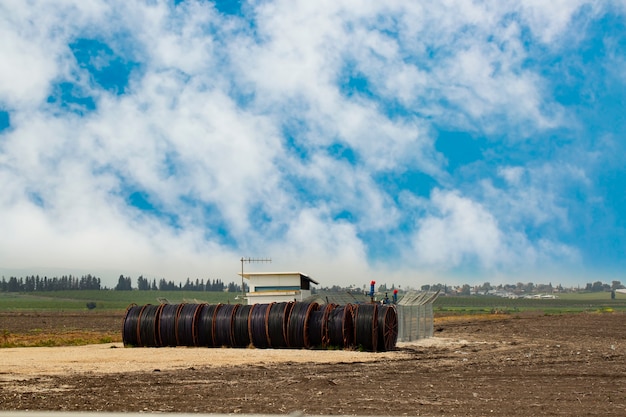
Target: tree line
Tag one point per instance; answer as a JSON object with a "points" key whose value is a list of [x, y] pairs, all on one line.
{"points": [[35, 283], [144, 284]]}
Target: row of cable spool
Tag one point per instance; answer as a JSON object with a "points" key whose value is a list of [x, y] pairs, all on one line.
{"points": [[293, 325]]}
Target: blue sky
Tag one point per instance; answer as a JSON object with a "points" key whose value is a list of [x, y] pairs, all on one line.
{"points": [[405, 142]]}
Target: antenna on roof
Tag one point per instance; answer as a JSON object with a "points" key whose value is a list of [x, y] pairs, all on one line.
{"points": [[250, 260]]}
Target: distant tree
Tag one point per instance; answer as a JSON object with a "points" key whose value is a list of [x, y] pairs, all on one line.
{"points": [[597, 287], [142, 283], [233, 287], [218, 285], [123, 284], [14, 285]]}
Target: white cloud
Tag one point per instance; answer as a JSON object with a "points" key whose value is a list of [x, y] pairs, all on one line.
{"points": [[459, 230], [528, 200], [35, 46], [549, 21], [201, 128]]}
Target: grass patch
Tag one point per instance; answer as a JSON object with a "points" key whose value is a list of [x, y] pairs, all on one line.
{"points": [[74, 338], [106, 299]]}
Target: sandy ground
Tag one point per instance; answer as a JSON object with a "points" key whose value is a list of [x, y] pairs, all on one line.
{"points": [[114, 358]]}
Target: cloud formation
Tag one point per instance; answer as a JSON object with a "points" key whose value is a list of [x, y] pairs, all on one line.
{"points": [[400, 142]]}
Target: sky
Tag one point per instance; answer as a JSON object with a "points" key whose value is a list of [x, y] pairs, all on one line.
{"points": [[408, 143]]}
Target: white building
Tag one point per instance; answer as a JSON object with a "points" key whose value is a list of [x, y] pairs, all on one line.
{"points": [[268, 287]]}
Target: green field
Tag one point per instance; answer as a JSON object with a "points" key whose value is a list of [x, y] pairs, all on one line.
{"points": [[120, 300], [106, 300], [565, 303]]}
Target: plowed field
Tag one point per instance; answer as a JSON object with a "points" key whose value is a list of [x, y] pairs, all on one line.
{"points": [[526, 364]]}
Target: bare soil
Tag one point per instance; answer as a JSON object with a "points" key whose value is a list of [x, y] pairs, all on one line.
{"points": [[527, 364]]}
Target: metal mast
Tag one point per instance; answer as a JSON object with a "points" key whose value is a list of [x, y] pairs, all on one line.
{"points": [[250, 260]]}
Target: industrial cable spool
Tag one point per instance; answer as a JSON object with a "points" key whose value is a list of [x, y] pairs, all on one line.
{"points": [[223, 325], [240, 332], [341, 327], [167, 324], [187, 324], [257, 325], [318, 326], [206, 325], [277, 324], [316, 322], [297, 324], [366, 326], [129, 329], [147, 325], [387, 327]]}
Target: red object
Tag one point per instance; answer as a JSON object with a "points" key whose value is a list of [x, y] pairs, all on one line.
{"points": [[395, 291], [373, 283]]}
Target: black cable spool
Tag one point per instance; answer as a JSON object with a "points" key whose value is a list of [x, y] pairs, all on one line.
{"points": [[387, 327], [137, 327], [297, 324], [223, 325], [240, 330], [277, 324], [186, 324], [148, 321], [366, 326], [194, 327], [257, 325], [206, 326], [196, 319], [179, 323], [316, 328], [328, 308], [167, 325], [341, 327], [129, 327]]}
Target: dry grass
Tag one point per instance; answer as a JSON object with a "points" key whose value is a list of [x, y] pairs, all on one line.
{"points": [[69, 338], [457, 318]]}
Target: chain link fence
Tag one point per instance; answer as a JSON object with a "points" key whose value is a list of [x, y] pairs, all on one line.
{"points": [[415, 315]]}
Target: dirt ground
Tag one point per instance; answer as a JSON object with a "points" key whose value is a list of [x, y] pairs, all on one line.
{"points": [[494, 365]]}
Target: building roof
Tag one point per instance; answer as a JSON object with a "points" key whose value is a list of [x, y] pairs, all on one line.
{"points": [[247, 275]]}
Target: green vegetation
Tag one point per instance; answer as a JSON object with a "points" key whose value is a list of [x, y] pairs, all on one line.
{"points": [[106, 299], [120, 300], [564, 303]]}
